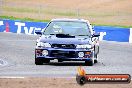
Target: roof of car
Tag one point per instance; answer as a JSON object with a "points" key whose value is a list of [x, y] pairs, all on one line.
{"points": [[68, 19]]}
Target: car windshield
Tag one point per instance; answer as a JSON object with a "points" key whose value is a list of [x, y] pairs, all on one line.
{"points": [[67, 27]]}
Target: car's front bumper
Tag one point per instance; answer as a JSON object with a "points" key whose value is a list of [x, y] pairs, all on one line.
{"points": [[66, 54]]}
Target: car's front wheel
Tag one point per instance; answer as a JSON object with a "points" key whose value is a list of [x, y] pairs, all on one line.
{"points": [[38, 61], [89, 63], [46, 60], [59, 60]]}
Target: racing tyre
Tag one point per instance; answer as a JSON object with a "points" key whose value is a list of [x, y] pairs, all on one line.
{"points": [[80, 79], [89, 63], [96, 61], [38, 61], [96, 55], [46, 60], [96, 58], [59, 60]]}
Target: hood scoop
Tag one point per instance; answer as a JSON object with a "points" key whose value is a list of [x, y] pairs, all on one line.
{"points": [[64, 36]]}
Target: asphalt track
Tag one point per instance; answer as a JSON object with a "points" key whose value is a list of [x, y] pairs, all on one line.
{"points": [[17, 59]]}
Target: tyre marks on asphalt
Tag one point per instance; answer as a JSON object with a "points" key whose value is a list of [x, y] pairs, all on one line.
{"points": [[3, 62]]}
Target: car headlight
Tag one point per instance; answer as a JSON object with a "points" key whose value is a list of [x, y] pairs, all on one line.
{"points": [[41, 44], [84, 46], [45, 52]]}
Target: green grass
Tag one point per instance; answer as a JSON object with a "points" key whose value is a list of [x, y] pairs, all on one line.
{"points": [[66, 13], [43, 11], [20, 10], [37, 20], [23, 19], [59, 12], [113, 25]]}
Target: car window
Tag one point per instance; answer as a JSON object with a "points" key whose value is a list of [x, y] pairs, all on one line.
{"points": [[67, 27]]}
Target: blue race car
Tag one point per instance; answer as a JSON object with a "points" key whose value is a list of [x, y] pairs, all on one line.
{"points": [[67, 40]]}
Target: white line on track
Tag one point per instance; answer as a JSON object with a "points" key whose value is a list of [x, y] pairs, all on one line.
{"points": [[16, 40], [11, 77]]}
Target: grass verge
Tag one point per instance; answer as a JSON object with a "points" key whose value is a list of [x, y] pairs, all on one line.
{"points": [[23, 19]]}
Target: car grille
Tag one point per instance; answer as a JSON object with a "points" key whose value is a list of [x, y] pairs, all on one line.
{"points": [[64, 46], [63, 54]]}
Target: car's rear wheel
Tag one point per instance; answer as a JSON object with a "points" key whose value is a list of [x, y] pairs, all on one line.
{"points": [[96, 54], [96, 59]]}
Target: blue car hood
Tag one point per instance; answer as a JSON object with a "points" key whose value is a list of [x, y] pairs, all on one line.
{"points": [[55, 40]]}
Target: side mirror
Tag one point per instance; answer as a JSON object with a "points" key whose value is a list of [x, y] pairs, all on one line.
{"points": [[96, 35], [38, 32]]}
